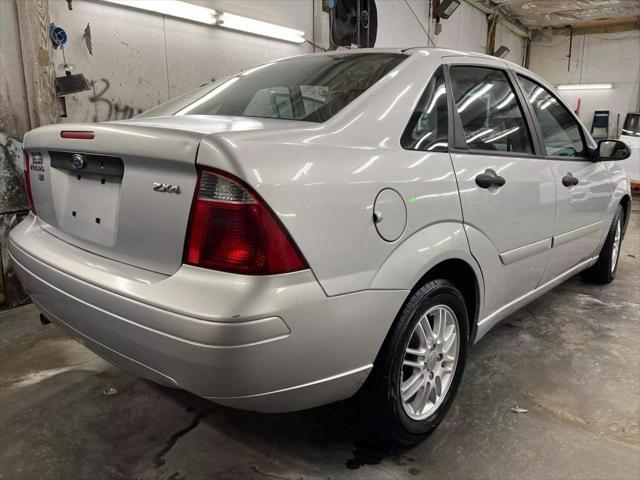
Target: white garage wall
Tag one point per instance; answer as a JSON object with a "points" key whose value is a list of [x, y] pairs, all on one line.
{"points": [[141, 59], [14, 116], [215, 52], [596, 58], [515, 44], [466, 29], [128, 69], [397, 27]]}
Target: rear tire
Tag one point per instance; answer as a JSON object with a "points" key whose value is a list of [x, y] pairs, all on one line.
{"points": [[604, 270], [395, 410]]}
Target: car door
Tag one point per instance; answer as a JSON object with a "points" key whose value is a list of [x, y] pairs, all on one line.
{"points": [[506, 190], [582, 185]]}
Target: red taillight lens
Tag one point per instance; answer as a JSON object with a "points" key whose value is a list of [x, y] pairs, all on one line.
{"points": [[231, 229], [27, 182]]}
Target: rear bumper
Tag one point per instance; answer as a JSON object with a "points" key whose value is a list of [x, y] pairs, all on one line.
{"points": [[274, 343]]}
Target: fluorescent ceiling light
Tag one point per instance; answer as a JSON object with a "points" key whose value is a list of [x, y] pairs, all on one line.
{"points": [[536, 93], [172, 8], [501, 135], [441, 91], [437, 145], [208, 16], [506, 101], [417, 146], [257, 27], [586, 86], [483, 133], [547, 103], [474, 97]]}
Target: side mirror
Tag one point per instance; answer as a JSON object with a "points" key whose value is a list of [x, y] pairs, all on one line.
{"points": [[612, 150]]}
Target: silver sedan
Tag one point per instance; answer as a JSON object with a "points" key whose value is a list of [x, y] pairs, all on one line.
{"points": [[319, 226]]}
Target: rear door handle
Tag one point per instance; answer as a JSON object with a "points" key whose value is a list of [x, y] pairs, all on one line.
{"points": [[488, 180], [569, 180]]}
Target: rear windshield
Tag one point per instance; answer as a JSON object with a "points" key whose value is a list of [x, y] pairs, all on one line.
{"points": [[310, 88]]}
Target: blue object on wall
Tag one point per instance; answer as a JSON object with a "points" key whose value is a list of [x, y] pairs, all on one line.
{"points": [[58, 36]]}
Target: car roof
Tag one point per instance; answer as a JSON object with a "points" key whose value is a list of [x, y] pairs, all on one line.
{"points": [[421, 50], [431, 51]]}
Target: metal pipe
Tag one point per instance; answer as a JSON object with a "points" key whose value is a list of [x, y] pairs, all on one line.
{"points": [[570, 48]]}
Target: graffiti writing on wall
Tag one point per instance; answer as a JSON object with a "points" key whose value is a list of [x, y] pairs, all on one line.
{"points": [[106, 108]]}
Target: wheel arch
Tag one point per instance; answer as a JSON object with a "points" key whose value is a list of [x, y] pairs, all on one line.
{"points": [[438, 251], [463, 276]]}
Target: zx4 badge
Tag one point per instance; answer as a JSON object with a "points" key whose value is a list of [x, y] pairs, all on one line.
{"points": [[165, 187]]}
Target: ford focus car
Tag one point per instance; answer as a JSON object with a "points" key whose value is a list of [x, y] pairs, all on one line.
{"points": [[319, 226]]}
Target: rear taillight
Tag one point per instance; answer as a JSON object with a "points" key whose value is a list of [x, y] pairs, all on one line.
{"points": [[232, 230], [27, 182]]}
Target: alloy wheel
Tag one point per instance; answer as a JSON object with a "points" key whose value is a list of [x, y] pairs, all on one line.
{"points": [[616, 247], [429, 362]]}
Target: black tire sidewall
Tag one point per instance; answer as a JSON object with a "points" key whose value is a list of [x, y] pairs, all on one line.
{"points": [[606, 274], [439, 293], [617, 219], [601, 272]]}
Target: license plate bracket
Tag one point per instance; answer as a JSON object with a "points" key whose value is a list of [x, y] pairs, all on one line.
{"points": [[89, 205]]}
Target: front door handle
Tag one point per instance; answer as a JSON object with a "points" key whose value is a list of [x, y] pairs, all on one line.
{"points": [[488, 180], [569, 180]]}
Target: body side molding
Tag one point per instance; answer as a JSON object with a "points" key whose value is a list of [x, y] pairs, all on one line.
{"points": [[485, 324], [525, 251], [575, 234]]}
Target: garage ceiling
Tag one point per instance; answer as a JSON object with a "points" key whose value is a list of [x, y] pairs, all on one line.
{"points": [[535, 14]]}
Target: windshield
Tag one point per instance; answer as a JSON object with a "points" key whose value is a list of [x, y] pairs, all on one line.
{"points": [[632, 125], [311, 88]]}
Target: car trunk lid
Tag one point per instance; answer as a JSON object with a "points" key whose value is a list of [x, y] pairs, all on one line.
{"points": [[126, 193]]}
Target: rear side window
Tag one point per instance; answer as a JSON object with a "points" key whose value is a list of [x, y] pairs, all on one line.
{"points": [[428, 128], [311, 88], [560, 130], [491, 116]]}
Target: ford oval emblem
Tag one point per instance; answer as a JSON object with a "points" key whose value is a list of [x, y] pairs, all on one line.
{"points": [[77, 161]]}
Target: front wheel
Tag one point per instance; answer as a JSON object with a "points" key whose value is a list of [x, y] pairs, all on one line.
{"points": [[604, 270], [419, 368]]}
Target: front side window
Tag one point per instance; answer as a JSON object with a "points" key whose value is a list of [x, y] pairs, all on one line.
{"points": [[560, 130], [428, 128], [491, 116], [310, 88]]}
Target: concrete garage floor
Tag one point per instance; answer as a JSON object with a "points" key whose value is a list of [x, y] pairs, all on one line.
{"points": [[571, 358]]}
